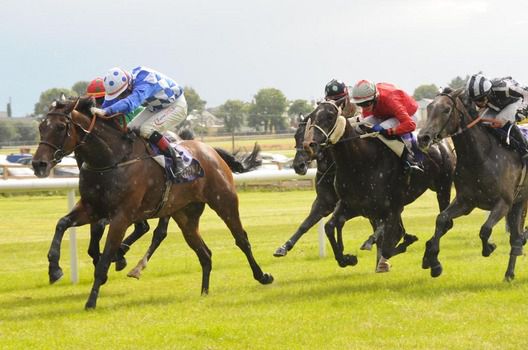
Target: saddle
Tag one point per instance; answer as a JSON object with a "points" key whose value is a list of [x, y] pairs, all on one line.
{"points": [[191, 166]]}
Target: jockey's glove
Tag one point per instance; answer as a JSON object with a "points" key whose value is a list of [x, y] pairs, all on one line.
{"points": [[381, 130], [98, 111]]}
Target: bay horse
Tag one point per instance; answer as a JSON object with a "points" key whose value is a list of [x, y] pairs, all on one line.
{"points": [[326, 197], [370, 180], [488, 176], [122, 183]]}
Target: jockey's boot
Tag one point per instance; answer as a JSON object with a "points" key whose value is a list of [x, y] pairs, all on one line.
{"points": [[519, 141], [167, 150], [409, 163]]}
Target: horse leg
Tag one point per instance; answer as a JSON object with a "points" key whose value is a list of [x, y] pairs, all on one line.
{"points": [[80, 215], [140, 229], [188, 220], [96, 233], [226, 206], [392, 233], [321, 207], [340, 216], [116, 231], [444, 222], [160, 232], [496, 213], [515, 220], [408, 239]]}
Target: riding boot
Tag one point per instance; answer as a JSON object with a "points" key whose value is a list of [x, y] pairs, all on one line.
{"points": [[520, 143], [409, 163], [167, 150]]}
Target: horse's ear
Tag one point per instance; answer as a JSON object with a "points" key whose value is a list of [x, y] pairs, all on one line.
{"points": [[301, 118], [447, 90]]}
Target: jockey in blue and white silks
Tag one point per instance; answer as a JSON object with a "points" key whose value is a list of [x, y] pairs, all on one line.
{"points": [[163, 98]]}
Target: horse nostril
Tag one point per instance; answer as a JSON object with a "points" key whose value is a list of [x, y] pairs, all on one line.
{"points": [[39, 164], [312, 144]]}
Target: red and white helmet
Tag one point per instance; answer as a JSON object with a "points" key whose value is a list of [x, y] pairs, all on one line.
{"points": [[115, 82], [363, 91], [96, 88]]}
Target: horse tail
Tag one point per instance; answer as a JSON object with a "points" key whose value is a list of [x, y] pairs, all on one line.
{"points": [[244, 164]]}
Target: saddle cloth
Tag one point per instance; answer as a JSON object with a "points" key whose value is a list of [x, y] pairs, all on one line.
{"points": [[191, 166]]}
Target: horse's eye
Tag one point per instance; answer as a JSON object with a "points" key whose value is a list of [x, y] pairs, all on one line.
{"points": [[61, 127], [447, 110]]}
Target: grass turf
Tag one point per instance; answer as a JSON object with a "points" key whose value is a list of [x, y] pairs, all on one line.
{"points": [[313, 304]]}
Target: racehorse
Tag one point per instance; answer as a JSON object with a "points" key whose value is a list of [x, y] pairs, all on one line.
{"points": [[370, 180], [488, 176], [326, 197], [121, 182]]}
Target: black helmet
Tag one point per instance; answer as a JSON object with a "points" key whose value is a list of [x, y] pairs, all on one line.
{"points": [[335, 90]]}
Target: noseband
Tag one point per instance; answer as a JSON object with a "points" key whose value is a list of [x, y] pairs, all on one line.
{"points": [[337, 130]]}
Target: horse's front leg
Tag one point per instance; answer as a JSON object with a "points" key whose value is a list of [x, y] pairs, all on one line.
{"points": [[321, 207], [341, 214], [392, 233], [497, 212], [80, 215], [515, 220], [444, 222], [140, 228], [116, 231]]}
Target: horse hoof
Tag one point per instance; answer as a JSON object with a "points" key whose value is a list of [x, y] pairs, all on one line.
{"points": [[281, 251], [348, 260], [266, 279], [509, 278], [366, 246], [120, 264], [89, 306], [134, 273], [425, 263], [55, 275], [436, 271], [409, 239], [383, 267], [488, 249]]}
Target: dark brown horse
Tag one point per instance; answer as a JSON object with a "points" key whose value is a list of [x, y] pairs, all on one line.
{"points": [[122, 183], [370, 180], [488, 176], [326, 197]]}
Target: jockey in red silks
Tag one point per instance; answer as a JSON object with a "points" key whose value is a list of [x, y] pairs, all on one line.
{"points": [[163, 98], [391, 111]]}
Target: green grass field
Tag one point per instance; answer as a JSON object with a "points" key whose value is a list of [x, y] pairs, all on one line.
{"points": [[313, 304]]}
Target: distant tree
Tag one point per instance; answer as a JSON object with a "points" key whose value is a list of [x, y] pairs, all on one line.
{"points": [[267, 110], [9, 112], [48, 96], [194, 102], [458, 82], [425, 91], [299, 107], [233, 113], [27, 130], [80, 87], [8, 131]]}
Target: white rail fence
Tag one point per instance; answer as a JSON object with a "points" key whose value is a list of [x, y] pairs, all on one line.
{"points": [[71, 184]]}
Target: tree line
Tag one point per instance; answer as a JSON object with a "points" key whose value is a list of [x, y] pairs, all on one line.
{"points": [[269, 111]]}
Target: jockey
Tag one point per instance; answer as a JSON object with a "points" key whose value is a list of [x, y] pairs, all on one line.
{"points": [[504, 100], [163, 98], [337, 91], [391, 111]]}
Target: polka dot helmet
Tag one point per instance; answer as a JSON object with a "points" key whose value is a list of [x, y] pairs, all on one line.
{"points": [[115, 82]]}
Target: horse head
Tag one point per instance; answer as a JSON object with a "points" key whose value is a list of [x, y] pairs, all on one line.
{"points": [[58, 135], [302, 158], [326, 128], [447, 115]]}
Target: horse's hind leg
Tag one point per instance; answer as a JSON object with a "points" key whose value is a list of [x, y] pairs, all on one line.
{"points": [[140, 229], [515, 220], [80, 215], [188, 220], [226, 206], [321, 207], [159, 235], [497, 213], [444, 221]]}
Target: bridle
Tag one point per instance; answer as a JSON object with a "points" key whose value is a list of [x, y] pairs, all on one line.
{"points": [[59, 152], [337, 130]]}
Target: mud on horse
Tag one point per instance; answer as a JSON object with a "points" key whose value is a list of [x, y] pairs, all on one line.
{"points": [[121, 195], [488, 175], [370, 180]]}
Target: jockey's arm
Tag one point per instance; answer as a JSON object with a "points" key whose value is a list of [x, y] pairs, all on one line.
{"points": [[139, 94], [406, 125]]}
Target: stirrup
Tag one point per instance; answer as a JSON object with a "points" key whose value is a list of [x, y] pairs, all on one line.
{"points": [[411, 167]]}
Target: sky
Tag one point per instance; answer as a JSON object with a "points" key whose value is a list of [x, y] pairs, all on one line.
{"points": [[230, 49]]}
